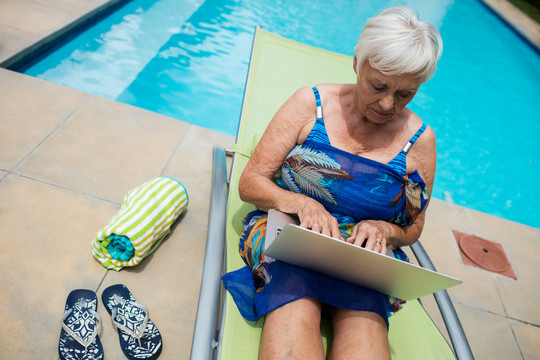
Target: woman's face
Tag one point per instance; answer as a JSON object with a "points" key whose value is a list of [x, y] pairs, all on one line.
{"points": [[380, 97]]}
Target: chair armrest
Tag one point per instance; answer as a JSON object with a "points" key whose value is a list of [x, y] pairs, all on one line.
{"points": [[204, 334]]}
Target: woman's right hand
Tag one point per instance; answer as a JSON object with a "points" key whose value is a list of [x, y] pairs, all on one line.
{"points": [[314, 216]]}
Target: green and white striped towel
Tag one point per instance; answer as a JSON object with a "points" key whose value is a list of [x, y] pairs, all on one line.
{"points": [[144, 220]]}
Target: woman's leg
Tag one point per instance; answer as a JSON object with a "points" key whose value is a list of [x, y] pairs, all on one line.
{"points": [[359, 335], [293, 332]]}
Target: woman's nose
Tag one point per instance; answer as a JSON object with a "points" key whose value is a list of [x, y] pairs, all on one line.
{"points": [[386, 102]]}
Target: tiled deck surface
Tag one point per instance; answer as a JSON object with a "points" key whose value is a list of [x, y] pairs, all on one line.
{"points": [[66, 161]]}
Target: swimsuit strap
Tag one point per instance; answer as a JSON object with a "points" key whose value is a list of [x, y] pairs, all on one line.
{"points": [[318, 133], [318, 102], [399, 163], [414, 138]]}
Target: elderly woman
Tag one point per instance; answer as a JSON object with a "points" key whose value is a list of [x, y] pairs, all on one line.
{"points": [[350, 172]]}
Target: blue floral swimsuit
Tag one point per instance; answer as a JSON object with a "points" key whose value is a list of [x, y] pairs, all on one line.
{"points": [[351, 188]]}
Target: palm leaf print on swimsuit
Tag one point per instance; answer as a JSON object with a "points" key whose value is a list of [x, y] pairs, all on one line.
{"points": [[312, 172]]}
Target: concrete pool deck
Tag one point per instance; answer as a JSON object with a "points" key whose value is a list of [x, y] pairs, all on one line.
{"points": [[67, 159]]}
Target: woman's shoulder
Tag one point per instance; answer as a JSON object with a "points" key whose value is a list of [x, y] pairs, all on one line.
{"points": [[415, 123], [331, 91], [307, 94], [303, 101], [425, 145], [296, 116], [422, 155], [300, 104]]}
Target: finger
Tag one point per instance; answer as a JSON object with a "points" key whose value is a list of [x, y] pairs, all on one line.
{"points": [[378, 245], [361, 238], [381, 245], [351, 239], [336, 233], [325, 227], [373, 242], [383, 250], [334, 229], [307, 223]]}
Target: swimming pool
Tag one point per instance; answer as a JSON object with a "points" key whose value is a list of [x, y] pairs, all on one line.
{"points": [[188, 59]]}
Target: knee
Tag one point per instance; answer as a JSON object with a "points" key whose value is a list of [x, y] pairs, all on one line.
{"points": [[359, 335], [298, 316], [293, 331]]}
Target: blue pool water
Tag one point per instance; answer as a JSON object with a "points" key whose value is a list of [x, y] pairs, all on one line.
{"points": [[188, 59]]}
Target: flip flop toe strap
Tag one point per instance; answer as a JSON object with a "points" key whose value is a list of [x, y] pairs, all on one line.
{"points": [[73, 334], [120, 320]]}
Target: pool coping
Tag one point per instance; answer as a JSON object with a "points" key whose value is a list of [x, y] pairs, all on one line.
{"points": [[521, 23], [40, 48]]}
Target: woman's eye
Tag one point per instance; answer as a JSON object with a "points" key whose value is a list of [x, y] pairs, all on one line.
{"points": [[377, 88], [404, 94]]}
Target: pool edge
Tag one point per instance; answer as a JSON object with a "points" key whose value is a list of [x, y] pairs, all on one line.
{"points": [[517, 20], [33, 52]]}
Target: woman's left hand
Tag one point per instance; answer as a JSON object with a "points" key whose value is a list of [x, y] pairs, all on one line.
{"points": [[370, 234]]}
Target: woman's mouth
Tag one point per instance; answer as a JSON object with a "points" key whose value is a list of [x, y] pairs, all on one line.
{"points": [[382, 114]]}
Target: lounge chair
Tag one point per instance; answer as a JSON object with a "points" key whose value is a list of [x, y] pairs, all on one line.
{"points": [[278, 67]]}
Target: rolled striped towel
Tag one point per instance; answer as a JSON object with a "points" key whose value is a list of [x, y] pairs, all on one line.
{"points": [[144, 220]]}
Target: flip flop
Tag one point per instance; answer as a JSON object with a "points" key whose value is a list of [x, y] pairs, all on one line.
{"points": [[81, 323], [139, 337]]}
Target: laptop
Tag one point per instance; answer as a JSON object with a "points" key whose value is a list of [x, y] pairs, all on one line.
{"points": [[288, 242]]}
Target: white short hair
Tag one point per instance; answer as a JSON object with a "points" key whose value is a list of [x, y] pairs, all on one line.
{"points": [[396, 42]]}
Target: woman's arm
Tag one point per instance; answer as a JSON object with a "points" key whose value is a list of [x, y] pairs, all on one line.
{"points": [[378, 234], [289, 127]]}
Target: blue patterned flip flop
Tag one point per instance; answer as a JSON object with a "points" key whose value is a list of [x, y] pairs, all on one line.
{"points": [[139, 337], [80, 326]]}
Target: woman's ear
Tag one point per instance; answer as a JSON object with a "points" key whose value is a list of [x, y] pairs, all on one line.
{"points": [[355, 62]]}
